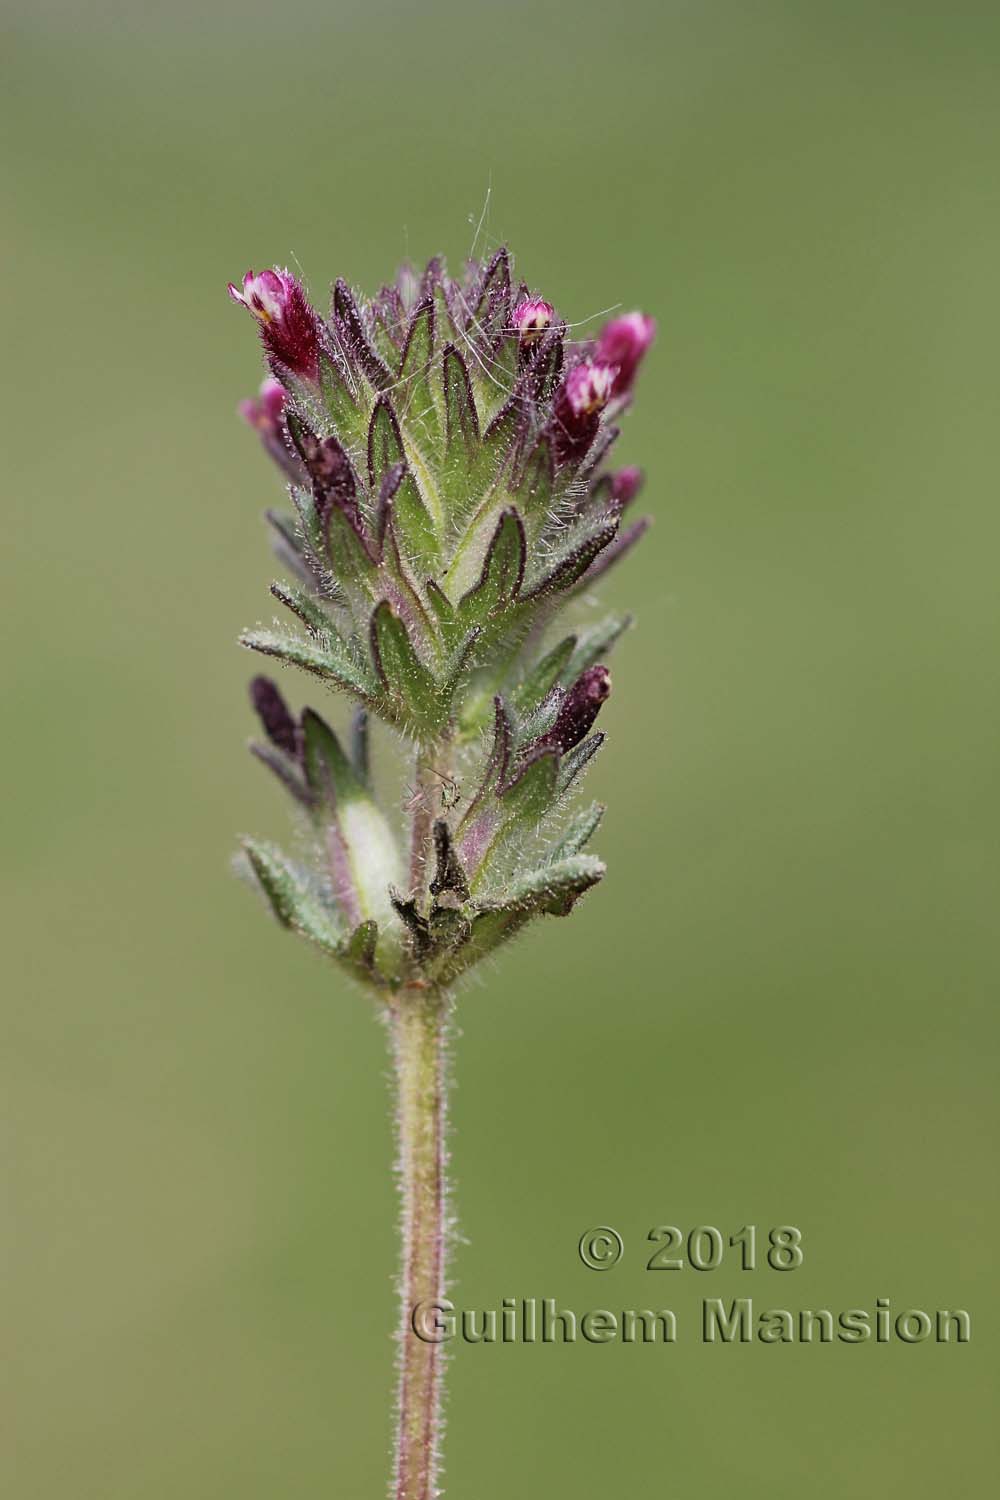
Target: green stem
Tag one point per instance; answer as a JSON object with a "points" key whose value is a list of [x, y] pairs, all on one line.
{"points": [[432, 776], [419, 1022]]}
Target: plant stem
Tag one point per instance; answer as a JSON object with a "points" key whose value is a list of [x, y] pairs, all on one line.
{"points": [[419, 1022], [432, 774]]}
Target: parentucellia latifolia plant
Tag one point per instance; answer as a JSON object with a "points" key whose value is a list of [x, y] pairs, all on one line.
{"points": [[445, 448]]}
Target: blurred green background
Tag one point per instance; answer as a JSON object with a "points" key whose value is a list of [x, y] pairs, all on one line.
{"points": [[779, 1008]]}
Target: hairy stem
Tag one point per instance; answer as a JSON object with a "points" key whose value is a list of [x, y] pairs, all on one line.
{"points": [[431, 781], [419, 1022]]}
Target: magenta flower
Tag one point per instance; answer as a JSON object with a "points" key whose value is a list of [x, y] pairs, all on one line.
{"points": [[622, 343], [264, 410], [577, 406], [588, 388], [625, 485], [531, 318], [288, 326], [265, 414]]}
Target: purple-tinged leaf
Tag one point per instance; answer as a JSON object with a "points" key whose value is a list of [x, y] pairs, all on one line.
{"points": [[407, 683], [572, 564], [305, 606], [462, 419], [577, 833], [623, 543], [535, 687], [283, 769], [360, 745], [392, 478], [575, 761], [352, 338], [502, 572], [385, 442]]}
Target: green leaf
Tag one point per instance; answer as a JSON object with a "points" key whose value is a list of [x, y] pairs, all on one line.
{"points": [[330, 775], [461, 416], [562, 568], [502, 572], [534, 493], [489, 928], [362, 854], [406, 681], [533, 688], [348, 557], [385, 442], [552, 890], [419, 393], [414, 522], [308, 608], [441, 605], [592, 645], [358, 952], [344, 402], [329, 658], [578, 832], [294, 896], [526, 799], [312, 539], [574, 761]]}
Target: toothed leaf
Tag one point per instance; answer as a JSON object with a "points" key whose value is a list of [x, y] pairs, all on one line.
{"points": [[578, 832], [593, 645], [329, 658], [529, 795], [502, 573], [405, 680], [553, 668], [294, 896], [420, 393]]}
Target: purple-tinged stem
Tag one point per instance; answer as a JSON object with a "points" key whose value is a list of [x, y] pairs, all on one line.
{"points": [[419, 1021]]}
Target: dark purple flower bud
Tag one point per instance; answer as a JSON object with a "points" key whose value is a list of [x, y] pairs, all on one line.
{"points": [[531, 317], [578, 710], [625, 485], [622, 343], [289, 327], [577, 406], [274, 714]]}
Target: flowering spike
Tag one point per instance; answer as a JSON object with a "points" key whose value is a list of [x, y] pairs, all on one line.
{"points": [[448, 449]]}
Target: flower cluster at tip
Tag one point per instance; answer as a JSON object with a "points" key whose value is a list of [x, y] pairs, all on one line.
{"points": [[446, 450]]}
